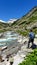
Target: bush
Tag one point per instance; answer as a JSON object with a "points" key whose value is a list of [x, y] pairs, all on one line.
{"points": [[24, 33], [31, 59]]}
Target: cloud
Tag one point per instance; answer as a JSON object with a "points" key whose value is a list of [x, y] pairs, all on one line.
{"points": [[2, 21]]}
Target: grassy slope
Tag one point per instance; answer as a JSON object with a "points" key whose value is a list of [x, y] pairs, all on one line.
{"points": [[26, 22], [3, 26]]}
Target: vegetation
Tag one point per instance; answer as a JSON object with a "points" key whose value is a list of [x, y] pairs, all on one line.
{"points": [[3, 30], [30, 59], [35, 30], [33, 18], [24, 33], [26, 22]]}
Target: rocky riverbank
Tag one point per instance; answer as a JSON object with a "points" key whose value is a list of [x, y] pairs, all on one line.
{"points": [[19, 51]]}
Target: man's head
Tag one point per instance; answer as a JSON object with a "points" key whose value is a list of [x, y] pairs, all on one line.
{"points": [[31, 30]]}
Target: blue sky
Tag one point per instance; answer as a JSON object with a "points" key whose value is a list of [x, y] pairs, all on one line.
{"points": [[10, 9]]}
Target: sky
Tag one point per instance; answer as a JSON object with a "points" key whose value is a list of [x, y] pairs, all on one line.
{"points": [[10, 9]]}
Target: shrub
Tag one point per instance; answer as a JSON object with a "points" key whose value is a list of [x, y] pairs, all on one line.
{"points": [[31, 59]]}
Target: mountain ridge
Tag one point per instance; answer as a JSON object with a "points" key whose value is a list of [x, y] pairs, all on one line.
{"points": [[28, 21]]}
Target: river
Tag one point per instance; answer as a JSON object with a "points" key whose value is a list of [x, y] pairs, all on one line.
{"points": [[8, 38]]}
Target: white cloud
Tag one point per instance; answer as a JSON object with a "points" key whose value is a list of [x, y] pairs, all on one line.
{"points": [[10, 21], [2, 21]]}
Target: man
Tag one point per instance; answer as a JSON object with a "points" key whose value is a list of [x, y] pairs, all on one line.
{"points": [[31, 38]]}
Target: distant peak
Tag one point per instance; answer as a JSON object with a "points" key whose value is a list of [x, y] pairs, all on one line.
{"points": [[12, 20]]}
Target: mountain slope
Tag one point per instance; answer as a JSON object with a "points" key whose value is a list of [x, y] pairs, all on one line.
{"points": [[27, 22], [4, 26]]}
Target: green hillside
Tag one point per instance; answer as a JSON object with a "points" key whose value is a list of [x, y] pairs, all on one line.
{"points": [[4, 26], [28, 21]]}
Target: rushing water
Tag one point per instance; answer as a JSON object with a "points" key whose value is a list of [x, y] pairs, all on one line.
{"points": [[8, 38]]}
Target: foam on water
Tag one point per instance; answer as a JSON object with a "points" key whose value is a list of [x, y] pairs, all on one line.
{"points": [[8, 38]]}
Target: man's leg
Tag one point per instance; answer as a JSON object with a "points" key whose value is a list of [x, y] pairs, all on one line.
{"points": [[29, 43], [32, 42]]}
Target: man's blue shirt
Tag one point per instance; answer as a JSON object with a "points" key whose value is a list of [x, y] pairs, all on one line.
{"points": [[31, 35]]}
